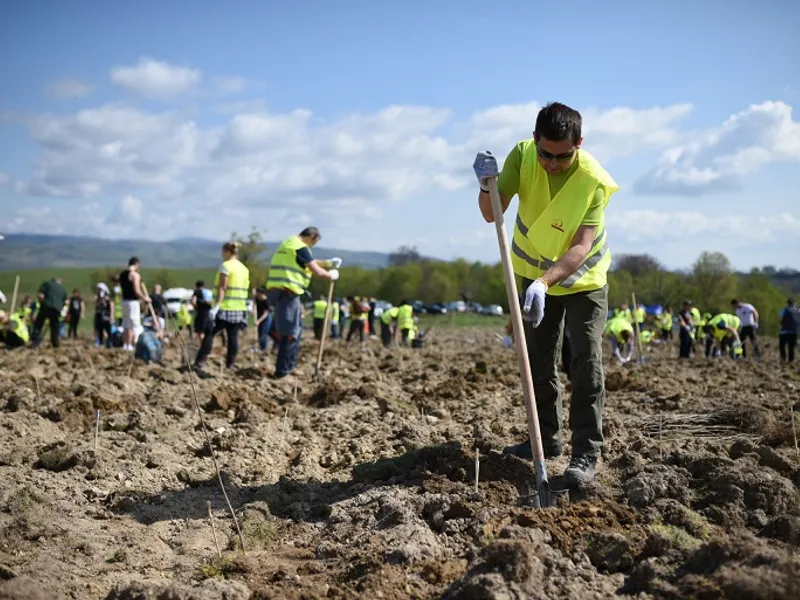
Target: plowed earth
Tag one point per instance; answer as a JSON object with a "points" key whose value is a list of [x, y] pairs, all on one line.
{"points": [[362, 484]]}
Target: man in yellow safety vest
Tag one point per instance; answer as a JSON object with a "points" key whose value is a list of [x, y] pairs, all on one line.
{"points": [[405, 321], [387, 331], [13, 330], [290, 270], [559, 252], [723, 331], [620, 335], [320, 308]]}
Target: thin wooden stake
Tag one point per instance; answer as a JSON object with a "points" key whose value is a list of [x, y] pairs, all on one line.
{"points": [[96, 428], [477, 467], [285, 419], [213, 528], [638, 342], [14, 297], [660, 436], [38, 389], [794, 432], [208, 440]]}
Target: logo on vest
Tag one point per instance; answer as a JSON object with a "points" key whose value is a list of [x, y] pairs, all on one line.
{"points": [[558, 224]]}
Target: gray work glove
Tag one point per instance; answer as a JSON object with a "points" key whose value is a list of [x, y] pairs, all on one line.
{"points": [[485, 166], [533, 305]]}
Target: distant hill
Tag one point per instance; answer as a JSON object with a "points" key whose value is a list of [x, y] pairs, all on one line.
{"points": [[32, 251]]}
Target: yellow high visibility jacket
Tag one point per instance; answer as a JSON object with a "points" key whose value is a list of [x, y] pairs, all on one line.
{"points": [[184, 317], [542, 236], [284, 272], [665, 321], [639, 315], [237, 288], [389, 314], [616, 326], [320, 308], [335, 312], [728, 320], [19, 327], [405, 317]]}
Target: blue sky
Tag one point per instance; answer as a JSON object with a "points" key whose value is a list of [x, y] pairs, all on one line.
{"points": [[166, 119]]}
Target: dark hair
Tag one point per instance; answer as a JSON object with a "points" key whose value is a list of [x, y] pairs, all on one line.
{"points": [[133, 261], [311, 232], [734, 302], [199, 283], [403, 302], [232, 247], [558, 122]]}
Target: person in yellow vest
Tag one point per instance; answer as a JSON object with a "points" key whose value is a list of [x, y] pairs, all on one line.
{"points": [[290, 271], [26, 310], [116, 298], [638, 314], [335, 315], [696, 319], [624, 312], [559, 252], [405, 321], [723, 336], [665, 324], [229, 312], [359, 313], [184, 318], [320, 308], [686, 328], [13, 331], [620, 335], [388, 317]]}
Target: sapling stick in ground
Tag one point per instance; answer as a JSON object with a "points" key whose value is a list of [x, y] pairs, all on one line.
{"points": [[213, 528]]}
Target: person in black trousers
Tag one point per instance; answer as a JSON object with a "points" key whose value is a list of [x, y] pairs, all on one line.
{"points": [[686, 325], [790, 328], [76, 312], [52, 298]]}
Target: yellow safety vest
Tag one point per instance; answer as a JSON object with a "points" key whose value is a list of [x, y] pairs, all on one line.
{"points": [[666, 322], [695, 316], [639, 315], [616, 326], [646, 336], [184, 318], [320, 308], [389, 314], [19, 327], [237, 289], [729, 321], [405, 317], [335, 312], [117, 302], [284, 272], [543, 234]]}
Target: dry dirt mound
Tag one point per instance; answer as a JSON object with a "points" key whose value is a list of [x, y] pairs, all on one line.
{"points": [[361, 483]]}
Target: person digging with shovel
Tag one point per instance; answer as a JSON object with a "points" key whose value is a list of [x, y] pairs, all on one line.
{"points": [[560, 254]]}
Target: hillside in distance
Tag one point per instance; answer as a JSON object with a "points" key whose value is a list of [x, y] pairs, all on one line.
{"points": [[33, 251]]}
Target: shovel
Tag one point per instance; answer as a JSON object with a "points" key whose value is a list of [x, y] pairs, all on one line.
{"points": [[640, 358], [326, 322], [544, 496]]}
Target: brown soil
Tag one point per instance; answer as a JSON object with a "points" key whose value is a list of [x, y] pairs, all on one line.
{"points": [[361, 484]]}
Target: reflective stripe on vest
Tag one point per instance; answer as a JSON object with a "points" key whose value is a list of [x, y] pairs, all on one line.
{"points": [[284, 272], [541, 239], [405, 316], [237, 287], [320, 308]]}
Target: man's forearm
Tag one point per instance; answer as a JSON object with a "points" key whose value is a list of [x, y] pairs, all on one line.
{"points": [[566, 265], [485, 204]]}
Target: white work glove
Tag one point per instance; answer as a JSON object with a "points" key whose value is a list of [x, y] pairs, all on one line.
{"points": [[334, 273], [485, 166], [508, 341], [212, 314], [335, 262], [533, 307]]}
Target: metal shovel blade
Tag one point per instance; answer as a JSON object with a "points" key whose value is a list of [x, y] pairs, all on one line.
{"points": [[545, 496]]}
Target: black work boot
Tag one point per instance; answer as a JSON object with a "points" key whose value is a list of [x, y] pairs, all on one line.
{"points": [[580, 471], [523, 450]]}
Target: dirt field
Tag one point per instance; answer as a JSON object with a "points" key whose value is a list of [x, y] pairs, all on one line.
{"points": [[364, 486]]}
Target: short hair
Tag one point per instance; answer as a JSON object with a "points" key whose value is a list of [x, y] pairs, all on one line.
{"points": [[133, 261], [311, 232], [734, 302], [558, 122], [199, 283]]}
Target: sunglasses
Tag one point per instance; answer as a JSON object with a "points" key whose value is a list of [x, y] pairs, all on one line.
{"points": [[564, 156]]}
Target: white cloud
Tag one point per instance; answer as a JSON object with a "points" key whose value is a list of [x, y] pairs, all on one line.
{"points": [[65, 89], [156, 79], [229, 85], [655, 226], [764, 133]]}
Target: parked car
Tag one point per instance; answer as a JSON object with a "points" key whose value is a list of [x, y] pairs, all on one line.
{"points": [[419, 307], [177, 296], [436, 309], [492, 309], [457, 306]]}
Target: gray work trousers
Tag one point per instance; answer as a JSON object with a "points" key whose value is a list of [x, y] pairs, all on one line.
{"points": [[586, 318]]}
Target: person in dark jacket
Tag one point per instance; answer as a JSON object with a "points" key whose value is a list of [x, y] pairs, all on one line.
{"points": [[52, 298], [790, 328], [77, 310]]}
